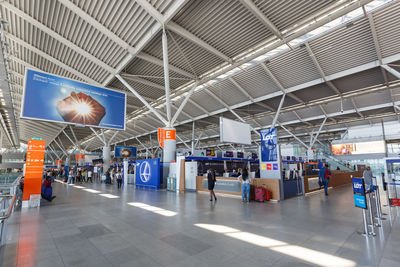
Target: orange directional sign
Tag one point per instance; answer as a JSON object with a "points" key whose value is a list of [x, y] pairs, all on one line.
{"points": [[34, 168], [165, 134]]}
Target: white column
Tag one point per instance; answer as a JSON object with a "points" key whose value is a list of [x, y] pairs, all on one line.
{"points": [[125, 177], [106, 158], [169, 154]]}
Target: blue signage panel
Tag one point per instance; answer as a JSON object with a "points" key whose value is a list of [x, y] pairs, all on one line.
{"points": [[360, 199], [148, 172], [269, 141], [52, 98], [125, 152]]}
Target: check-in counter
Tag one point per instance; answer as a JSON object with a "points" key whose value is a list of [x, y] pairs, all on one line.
{"points": [[224, 185], [232, 186]]}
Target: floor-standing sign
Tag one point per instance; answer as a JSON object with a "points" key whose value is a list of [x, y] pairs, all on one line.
{"points": [[360, 199], [33, 172]]}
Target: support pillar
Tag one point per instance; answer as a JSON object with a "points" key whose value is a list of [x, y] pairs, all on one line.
{"points": [[125, 177], [169, 152], [106, 158]]}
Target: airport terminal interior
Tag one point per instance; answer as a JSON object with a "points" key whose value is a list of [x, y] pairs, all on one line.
{"points": [[200, 133]]}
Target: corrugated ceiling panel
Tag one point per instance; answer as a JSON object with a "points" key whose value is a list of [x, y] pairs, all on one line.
{"points": [[345, 48], [387, 23], [64, 22], [310, 112], [206, 101], [287, 116], [231, 34], [360, 80], [293, 68], [256, 82], [228, 93], [286, 13], [335, 106], [367, 100], [314, 92], [125, 18], [47, 44]]}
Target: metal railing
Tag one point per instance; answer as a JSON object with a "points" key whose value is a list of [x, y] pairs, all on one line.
{"points": [[7, 207]]}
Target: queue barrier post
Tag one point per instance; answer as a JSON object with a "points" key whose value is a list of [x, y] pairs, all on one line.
{"points": [[371, 216]]}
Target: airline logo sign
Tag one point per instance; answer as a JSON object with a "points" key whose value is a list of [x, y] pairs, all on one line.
{"points": [[165, 134], [360, 200]]}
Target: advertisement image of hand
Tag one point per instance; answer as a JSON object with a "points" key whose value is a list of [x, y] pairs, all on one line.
{"points": [[81, 109]]}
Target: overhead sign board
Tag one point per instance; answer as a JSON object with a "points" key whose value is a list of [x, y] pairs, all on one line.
{"points": [[52, 98], [125, 152], [234, 131], [360, 199]]}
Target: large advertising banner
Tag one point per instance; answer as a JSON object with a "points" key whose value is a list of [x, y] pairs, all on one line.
{"points": [[52, 98], [33, 169], [358, 148], [269, 141], [148, 173], [125, 152]]}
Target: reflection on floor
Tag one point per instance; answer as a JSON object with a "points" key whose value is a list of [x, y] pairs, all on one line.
{"points": [[99, 225]]}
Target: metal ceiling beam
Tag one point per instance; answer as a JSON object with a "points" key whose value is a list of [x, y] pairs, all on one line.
{"points": [[261, 17], [151, 10], [392, 71], [196, 40], [151, 108], [320, 70], [159, 62], [356, 109]]}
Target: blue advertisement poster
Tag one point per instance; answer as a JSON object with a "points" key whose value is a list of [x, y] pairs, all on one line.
{"points": [[360, 200], [148, 173], [52, 98], [125, 152], [269, 141]]}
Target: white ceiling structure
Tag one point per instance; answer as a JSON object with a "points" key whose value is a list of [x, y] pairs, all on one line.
{"points": [[336, 63]]}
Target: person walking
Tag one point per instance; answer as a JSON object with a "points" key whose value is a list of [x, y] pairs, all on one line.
{"points": [[327, 176], [211, 183], [368, 177], [119, 179], [245, 179], [89, 175]]}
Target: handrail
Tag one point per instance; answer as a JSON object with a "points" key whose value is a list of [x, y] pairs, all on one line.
{"points": [[2, 218]]}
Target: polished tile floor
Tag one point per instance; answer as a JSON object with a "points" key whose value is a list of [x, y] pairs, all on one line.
{"points": [[98, 225]]}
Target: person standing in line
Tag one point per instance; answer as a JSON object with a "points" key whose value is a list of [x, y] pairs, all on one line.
{"points": [[211, 183], [84, 176], [70, 177], [89, 176], [119, 179], [327, 176], [368, 177], [245, 179]]}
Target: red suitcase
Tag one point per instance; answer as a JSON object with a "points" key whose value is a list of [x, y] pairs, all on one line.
{"points": [[260, 194], [268, 195]]}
